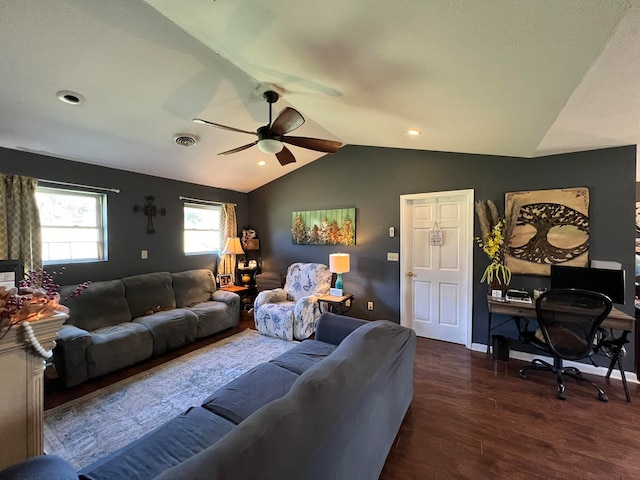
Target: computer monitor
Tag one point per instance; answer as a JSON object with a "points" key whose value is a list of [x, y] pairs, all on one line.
{"points": [[609, 282]]}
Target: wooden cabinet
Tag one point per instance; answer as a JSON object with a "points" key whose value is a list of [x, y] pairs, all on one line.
{"points": [[22, 390]]}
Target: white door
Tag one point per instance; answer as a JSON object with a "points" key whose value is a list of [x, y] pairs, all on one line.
{"points": [[435, 280]]}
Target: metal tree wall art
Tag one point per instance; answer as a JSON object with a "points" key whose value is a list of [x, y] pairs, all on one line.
{"points": [[552, 228], [150, 210]]}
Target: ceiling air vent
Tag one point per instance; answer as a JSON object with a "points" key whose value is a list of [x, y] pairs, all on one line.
{"points": [[185, 140]]}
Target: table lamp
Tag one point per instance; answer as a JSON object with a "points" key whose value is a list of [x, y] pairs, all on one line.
{"points": [[232, 247], [339, 263]]}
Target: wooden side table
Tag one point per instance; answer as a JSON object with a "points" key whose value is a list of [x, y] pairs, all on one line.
{"points": [[336, 304], [239, 289]]}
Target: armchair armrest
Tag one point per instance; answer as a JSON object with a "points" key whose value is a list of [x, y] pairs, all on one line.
{"points": [[270, 296], [70, 354]]}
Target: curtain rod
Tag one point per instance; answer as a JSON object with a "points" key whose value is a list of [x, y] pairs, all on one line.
{"points": [[211, 202], [103, 189]]}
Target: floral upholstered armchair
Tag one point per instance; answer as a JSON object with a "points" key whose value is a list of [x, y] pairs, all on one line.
{"points": [[293, 311]]}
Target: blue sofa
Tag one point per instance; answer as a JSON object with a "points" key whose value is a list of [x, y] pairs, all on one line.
{"points": [[329, 408]]}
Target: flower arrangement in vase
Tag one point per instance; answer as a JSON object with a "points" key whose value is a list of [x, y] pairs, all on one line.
{"points": [[496, 231], [36, 298]]}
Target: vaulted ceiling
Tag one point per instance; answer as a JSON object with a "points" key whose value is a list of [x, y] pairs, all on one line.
{"points": [[503, 77]]}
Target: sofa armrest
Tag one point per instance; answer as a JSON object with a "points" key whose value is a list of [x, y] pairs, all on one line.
{"points": [[333, 328], [229, 298], [70, 354], [270, 296], [42, 467]]}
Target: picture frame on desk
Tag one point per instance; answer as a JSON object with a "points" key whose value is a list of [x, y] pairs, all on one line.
{"points": [[336, 292], [225, 280]]}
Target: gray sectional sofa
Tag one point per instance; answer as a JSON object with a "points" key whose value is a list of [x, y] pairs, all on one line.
{"points": [[329, 408], [118, 323]]}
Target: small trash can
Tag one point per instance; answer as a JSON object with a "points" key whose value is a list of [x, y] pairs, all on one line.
{"points": [[500, 347]]}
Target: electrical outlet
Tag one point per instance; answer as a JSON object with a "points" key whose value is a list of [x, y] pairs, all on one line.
{"points": [[369, 305], [143, 254]]}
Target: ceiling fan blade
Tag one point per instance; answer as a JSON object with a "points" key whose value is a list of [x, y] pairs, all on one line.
{"points": [[288, 120], [285, 156], [317, 144], [224, 127], [239, 149]]}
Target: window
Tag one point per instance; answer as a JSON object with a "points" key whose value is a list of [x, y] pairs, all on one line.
{"points": [[201, 228], [73, 225]]}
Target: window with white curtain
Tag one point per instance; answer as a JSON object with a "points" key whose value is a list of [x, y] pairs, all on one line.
{"points": [[201, 228], [73, 225]]}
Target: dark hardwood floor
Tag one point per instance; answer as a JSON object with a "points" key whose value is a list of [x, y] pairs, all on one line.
{"points": [[469, 420]]}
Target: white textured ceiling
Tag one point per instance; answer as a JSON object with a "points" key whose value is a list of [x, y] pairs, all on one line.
{"points": [[504, 77]]}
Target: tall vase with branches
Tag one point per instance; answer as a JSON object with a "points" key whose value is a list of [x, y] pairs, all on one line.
{"points": [[496, 232]]}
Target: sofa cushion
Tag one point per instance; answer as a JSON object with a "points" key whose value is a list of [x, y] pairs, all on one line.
{"points": [[304, 355], [118, 346], [241, 397], [100, 305], [168, 445], [149, 291], [213, 317], [193, 286], [170, 329]]}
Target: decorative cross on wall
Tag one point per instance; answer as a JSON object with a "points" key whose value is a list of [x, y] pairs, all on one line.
{"points": [[150, 210]]}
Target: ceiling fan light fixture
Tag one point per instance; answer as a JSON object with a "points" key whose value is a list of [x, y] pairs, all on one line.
{"points": [[269, 145]]}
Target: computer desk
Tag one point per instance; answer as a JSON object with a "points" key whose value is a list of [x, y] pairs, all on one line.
{"points": [[616, 320]]}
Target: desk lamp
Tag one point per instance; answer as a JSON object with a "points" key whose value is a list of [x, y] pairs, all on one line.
{"points": [[339, 263]]}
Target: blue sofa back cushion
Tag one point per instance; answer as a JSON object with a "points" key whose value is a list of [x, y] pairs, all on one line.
{"points": [[101, 305], [168, 445], [304, 355], [193, 287], [241, 397], [149, 291]]}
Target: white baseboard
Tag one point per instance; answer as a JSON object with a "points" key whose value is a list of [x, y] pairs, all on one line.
{"points": [[583, 367]]}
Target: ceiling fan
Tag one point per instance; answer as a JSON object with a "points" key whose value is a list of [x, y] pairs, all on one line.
{"points": [[271, 137]]}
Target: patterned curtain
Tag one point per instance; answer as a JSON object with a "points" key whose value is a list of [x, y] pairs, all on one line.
{"points": [[228, 228], [20, 236]]}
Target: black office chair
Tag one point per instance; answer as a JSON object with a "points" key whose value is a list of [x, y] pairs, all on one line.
{"points": [[568, 320]]}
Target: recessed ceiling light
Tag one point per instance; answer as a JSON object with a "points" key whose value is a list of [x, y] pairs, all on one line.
{"points": [[262, 163], [72, 98], [185, 139], [414, 132]]}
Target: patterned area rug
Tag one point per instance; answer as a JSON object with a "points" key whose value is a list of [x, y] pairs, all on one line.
{"points": [[88, 428]]}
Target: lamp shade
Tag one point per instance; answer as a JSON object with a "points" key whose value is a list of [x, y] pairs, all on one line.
{"points": [[270, 145], [232, 247], [339, 262]]}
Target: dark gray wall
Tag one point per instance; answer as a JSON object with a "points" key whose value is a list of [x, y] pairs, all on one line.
{"points": [[126, 229], [372, 180]]}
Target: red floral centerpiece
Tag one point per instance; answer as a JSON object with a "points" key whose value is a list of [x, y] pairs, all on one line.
{"points": [[37, 297]]}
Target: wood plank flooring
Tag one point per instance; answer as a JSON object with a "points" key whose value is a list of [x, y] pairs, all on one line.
{"points": [[469, 420], [474, 419]]}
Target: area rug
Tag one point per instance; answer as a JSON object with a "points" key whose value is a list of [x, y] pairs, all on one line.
{"points": [[92, 426]]}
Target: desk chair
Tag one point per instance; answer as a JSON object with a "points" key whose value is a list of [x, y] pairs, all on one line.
{"points": [[568, 320]]}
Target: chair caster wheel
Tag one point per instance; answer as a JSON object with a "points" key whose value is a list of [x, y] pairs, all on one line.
{"points": [[562, 396], [522, 375], [602, 397]]}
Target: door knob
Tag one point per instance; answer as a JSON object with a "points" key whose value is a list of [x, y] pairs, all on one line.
{"points": [[410, 274]]}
